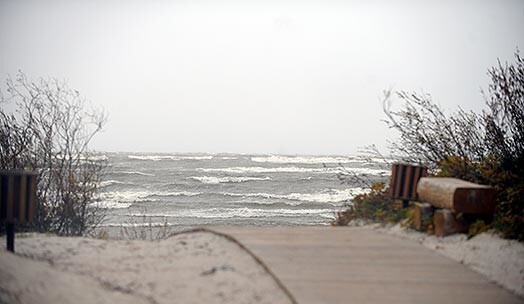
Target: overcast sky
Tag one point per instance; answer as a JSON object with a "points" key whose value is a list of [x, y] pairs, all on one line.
{"points": [[293, 77]]}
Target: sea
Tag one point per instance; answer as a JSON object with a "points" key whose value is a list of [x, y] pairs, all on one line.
{"points": [[187, 190]]}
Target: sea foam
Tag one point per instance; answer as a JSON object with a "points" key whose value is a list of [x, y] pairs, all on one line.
{"points": [[247, 170], [227, 179], [168, 157], [111, 182], [134, 173], [236, 212], [124, 199], [326, 196], [277, 159]]}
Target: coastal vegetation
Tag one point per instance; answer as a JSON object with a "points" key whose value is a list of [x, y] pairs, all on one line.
{"points": [[46, 127], [485, 148]]}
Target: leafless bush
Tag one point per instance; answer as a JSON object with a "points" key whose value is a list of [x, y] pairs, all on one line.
{"points": [[143, 228], [46, 126], [485, 147], [505, 118], [427, 135]]}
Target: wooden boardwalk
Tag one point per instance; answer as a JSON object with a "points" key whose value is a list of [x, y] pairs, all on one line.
{"points": [[355, 265]]}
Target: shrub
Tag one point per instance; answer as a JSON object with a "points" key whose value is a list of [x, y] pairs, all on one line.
{"points": [[46, 126], [376, 205], [486, 148]]}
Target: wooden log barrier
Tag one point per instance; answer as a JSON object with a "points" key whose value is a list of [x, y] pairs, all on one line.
{"points": [[17, 200], [422, 216], [403, 182], [446, 222], [457, 195]]}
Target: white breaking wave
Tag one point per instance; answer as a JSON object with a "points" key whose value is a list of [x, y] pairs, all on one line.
{"points": [[237, 212], [227, 179], [112, 205], [124, 199], [326, 196], [181, 193], [135, 172], [169, 157], [98, 157], [247, 170], [113, 182], [277, 159], [132, 225]]}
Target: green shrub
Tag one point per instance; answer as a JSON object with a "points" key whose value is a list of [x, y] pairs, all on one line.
{"points": [[376, 205]]}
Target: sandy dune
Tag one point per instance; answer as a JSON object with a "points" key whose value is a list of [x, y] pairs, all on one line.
{"points": [[199, 267]]}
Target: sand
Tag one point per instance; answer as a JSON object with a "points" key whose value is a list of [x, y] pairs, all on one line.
{"points": [[199, 267], [500, 260]]}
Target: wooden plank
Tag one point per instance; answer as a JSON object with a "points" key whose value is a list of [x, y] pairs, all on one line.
{"points": [[407, 181], [392, 180], [416, 178], [398, 180], [22, 199], [9, 197], [457, 195], [31, 207], [360, 265], [2, 203]]}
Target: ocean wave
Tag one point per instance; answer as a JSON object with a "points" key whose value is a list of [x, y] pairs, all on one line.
{"points": [[180, 193], [124, 199], [134, 173], [327, 196], [227, 179], [111, 182], [330, 216], [247, 170], [97, 157], [168, 157], [136, 225], [111, 205], [278, 159], [237, 213], [365, 171], [128, 196], [241, 170]]}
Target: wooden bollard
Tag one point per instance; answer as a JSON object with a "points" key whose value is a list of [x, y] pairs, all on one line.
{"points": [[457, 195], [17, 200], [446, 223], [422, 216]]}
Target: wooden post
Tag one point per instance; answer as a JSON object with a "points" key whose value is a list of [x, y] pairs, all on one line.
{"points": [[10, 231], [422, 216], [17, 201], [446, 223]]}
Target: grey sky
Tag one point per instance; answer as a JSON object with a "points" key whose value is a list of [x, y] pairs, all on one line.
{"points": [[257, 76]]}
